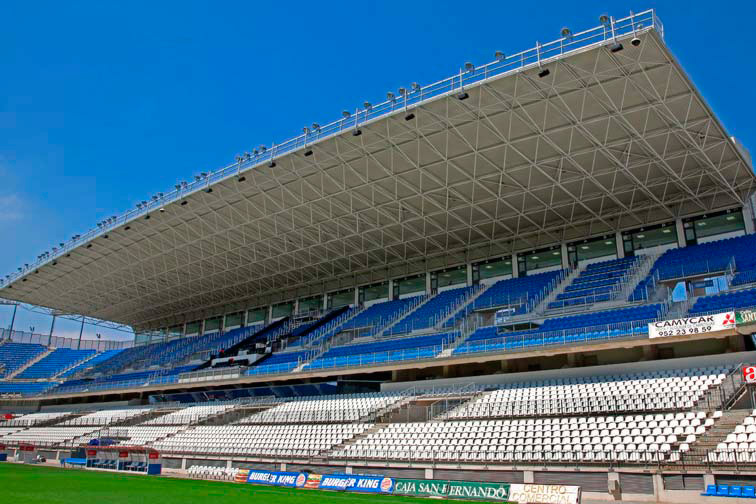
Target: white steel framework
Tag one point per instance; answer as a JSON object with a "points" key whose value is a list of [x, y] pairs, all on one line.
{"points": [[605, 140]]}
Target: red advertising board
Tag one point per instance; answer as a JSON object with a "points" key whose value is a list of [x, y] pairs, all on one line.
{"points": [[749, 374]]}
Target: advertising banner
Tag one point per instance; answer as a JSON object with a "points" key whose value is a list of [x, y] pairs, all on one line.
{"points": [[544, 494], [357, 483], [749, 374], [498, 492], [313, 481], [287, 479], [691, 325], [745, 317], [241, 476]]}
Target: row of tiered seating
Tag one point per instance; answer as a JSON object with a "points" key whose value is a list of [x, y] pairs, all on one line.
{"points": [[519, 293], [326, 331], [725, 302], [106, 417], [279, 362], [597, 282], [192, 414], [142, 435], [51, 436], [335, 408], [25, 388], [94, 361], [433, 311], [661, 390], [621, 323], [32, 419], [382, 351], [15, 355], [53, 363], [694, 260], [377, 316], [261, 440], [739, 445], [133, 379], [589, 439]]}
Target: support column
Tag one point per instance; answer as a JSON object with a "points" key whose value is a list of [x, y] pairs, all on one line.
{"points": [[348, 470], [296, 306], [52, 326], [748, 217], [243, 321], [527, 477], [391, 290], [270, 313], [515, 267], [620, 245], [428, 282], [357, 296], [283, 466], [13, 321], [81, 331], [429, 473], [680, 233], [229, 465], [469, 274], [565, 259], [325, 301]]}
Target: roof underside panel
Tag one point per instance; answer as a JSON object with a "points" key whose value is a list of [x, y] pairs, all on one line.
{"points": [[606, 141]]}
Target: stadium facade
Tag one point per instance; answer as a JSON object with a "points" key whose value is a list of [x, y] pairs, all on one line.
{"points": [[539, 270]]}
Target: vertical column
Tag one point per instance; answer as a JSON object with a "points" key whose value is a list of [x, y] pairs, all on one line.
{"points": [[565, 259], [243, 321], [183, 330], [391, 290], [202, 327], [469, 267], [296, 306], [357, 296], [680, 232], [270, 314], [515, 267], [81, 331], [748, 216], [427, 282], [325, 301], [620, 245]]}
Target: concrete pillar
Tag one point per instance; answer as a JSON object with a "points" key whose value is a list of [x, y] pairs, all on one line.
{"points": [[356, 296], [243, 321], [270, 313], [348, 470], [296, 306], [527, 477], [748, 217], [620, 245], [325, 301], [680, 232], [565, 259], [391, 290], [469, 274], [613, 483], [427, 282], [283, 466], [183, 330], [428, 473], [515, 270], [229, 464], [183, 464], [658, 486], [709, 480]]}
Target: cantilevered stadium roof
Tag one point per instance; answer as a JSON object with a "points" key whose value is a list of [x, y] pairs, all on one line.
{"points": [[599, 131]]}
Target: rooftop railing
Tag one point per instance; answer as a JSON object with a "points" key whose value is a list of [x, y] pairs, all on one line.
{"points": [[607, 33]]}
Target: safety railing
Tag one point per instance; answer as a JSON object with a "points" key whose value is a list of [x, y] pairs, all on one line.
{"points": [[528, 341], [376, 358], [59, 342], [264, 157]]}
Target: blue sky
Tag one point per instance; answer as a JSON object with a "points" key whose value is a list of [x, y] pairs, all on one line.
{"points": [[102, 106]]}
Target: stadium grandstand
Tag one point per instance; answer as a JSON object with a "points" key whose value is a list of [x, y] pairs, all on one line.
{"points": [[540, 270]]}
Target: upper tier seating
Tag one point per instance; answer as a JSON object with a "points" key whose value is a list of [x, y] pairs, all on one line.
{"points": [[133, 379], [326, 331], [337, 408], [375, 317], [94, 361], [50, 365], [421, 347], [520, 293], [619, 323], [262, 440], [15, 355], [280, 362], [597, 282], [190, 415], [725, 302], [25, 388], [712, 257], [432, 311]]}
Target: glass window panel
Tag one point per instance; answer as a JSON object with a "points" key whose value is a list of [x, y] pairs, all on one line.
{"points": [[495, 268], [412, 285], [596, 248], [310, 304], [452, 276], [212, 324], [282, 309], [654, 237], [543, 259], [256, 315], [341, 298], [377, 291], [192, 327], [720, 224]]}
